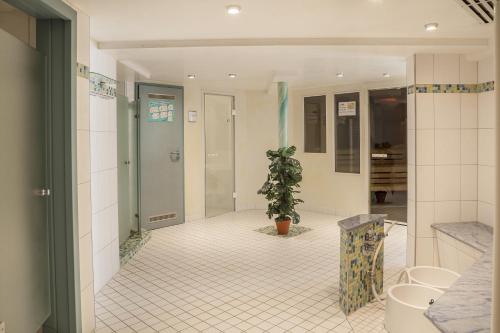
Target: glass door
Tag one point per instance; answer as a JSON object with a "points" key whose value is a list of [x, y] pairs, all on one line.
{"points": [[219, 155], [388, 182]]}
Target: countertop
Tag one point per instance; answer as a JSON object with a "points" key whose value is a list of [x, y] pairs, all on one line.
{"points": [[466, 306], [357, 221]]}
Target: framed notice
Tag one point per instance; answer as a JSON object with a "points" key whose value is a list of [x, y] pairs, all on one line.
{"points": [[161, 110], [347, 109]]}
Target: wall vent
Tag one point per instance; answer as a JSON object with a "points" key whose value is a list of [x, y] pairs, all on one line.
{"points": [[482, 10], [163, 217]]}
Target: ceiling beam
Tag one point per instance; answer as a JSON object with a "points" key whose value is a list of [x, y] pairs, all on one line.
{"points": [[155, 44]]}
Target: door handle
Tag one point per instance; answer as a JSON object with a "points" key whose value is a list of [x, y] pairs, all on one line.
{"points": [[42, 192], [175, 155]]}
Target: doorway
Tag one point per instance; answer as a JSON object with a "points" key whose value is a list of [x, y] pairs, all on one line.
{"points": [[161, 155], [219, 155], [388, 153]]}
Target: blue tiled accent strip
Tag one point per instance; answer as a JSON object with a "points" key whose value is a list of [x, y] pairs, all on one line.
{"points": [[101, 85], [449, 88]]}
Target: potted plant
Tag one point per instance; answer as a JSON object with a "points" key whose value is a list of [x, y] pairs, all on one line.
{"points": [[285, 174]]}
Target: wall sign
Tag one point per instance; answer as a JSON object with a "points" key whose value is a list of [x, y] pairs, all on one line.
{"points": [[161, 110], [192, 116], [347, 108]]}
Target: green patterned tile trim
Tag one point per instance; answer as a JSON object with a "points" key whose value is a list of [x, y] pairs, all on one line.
{"points": [[101, 85], [451, 88], [355, 266], [292, 232], [82, 70], [131, 246]]}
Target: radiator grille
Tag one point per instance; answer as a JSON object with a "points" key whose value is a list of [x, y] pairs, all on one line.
{"points": [[161, 218], [482, 10]]}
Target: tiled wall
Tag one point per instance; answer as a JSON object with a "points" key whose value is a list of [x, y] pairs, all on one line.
{"points": [[103, 153], [83, 175], [486, 145], [442, 149]]}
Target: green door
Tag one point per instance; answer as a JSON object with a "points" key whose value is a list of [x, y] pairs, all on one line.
{"points": [[24, 254]]}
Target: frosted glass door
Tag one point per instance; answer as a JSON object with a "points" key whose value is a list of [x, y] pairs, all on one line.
{"points": [[219, 155], [24, 199]]}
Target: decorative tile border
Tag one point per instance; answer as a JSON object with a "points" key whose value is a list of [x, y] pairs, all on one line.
{"points": [[101, 85], [293, 231], [451, 88], [131, 246], [82, 70]]}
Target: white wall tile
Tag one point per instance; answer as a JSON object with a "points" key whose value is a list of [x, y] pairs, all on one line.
{"points": [[425, 251], [468, 211], [468, 110], [424, 218], [486, 147], [486, 213], [83, 44], [447, 110], [425, 183], [447, 211], [411, 223], [88, 310], [410, 70], [424, 68], [412, 189], [447, 182], [84, 209], [468, 71], [103, 270], [486, 70], [446, 68], [101, 227], [448, 255], [468, 180], [104, 189], [411, 147], [103, 150], [86, 267], [82, 103], [424, 111], [115, 256], [468, 146], [425, 147], [486, 184], [410, 251], [410, 112], [486, 109], [447, 147], [83, 156]]}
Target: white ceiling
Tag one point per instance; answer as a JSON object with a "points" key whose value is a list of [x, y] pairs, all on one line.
{"points": [[258, 66]]}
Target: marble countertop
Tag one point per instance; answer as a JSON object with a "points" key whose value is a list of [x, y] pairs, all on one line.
{"points": [[357, 221], [466, 306]]}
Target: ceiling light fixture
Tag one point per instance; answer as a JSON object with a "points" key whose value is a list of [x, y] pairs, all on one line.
{"points": [[431, 26], [386, 75], [340, 74], [191, 76], [233, 9], [232, 75]]}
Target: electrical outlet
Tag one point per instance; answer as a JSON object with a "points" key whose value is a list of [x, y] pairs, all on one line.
{"points": [[2, 327]]}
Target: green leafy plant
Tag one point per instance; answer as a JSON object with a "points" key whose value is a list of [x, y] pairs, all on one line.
{"points": [[285, 174]]}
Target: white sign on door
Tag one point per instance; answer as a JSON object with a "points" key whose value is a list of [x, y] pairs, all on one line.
{"points": [[347, 109]]}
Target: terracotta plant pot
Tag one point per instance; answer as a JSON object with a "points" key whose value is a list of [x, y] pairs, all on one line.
{"points": [[283, 227]]}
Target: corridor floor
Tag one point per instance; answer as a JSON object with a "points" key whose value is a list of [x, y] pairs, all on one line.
{"points": [[219, 275]]}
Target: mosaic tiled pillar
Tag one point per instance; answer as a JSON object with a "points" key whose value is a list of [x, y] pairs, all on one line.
{"points": [[359, 237], [283, 118]]}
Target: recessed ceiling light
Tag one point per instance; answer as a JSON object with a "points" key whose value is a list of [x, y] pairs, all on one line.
{"points": [[386, 75], [340, 74], [431, 26], [232, 75], [233, 9], [191, 76]]}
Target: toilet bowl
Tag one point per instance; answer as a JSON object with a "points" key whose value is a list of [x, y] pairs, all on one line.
{"points": [[430, 276], [405, 307]]}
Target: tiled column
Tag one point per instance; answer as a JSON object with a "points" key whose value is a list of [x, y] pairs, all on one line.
{"points": [[443, 147], [359, 237], [83, 175]]}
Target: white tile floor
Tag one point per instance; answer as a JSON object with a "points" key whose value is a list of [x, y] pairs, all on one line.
{"points": [[219, 275]]}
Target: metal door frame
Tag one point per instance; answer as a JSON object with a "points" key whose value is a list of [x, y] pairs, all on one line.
{"points": [[233, 118], [56, 39], [138, 138]]}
